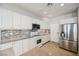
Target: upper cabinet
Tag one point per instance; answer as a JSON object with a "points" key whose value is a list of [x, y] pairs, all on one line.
{"points": [[68, 20], [44, 25], [26, 22], [6, 18], [14, 20], [21, 21]]}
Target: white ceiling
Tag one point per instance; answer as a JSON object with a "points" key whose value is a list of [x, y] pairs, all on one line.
{"points": [[52, 12]]}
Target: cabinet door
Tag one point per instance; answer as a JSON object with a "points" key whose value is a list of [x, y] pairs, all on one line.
{"points": [[18, 47], [32, 43], [23, 22], [26, 22], [45, 39], [17, 21], [26, 46], [6, 46], [44, 25], [6, 19]]}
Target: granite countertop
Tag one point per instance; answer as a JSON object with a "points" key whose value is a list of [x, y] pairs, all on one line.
{"points": [[22, 39], [15, 35]]}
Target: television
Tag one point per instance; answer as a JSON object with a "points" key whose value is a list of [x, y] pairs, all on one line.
{"points": [[35, 26]]}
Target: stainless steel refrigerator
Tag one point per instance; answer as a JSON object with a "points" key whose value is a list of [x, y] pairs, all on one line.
{"points": [[68, 37]]}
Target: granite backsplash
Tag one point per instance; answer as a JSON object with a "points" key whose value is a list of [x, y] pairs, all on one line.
{"points": [[12, 35]]}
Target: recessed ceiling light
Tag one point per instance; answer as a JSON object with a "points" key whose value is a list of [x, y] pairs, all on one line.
{"points": [[49, 4], [62, 4], [45, 12]]}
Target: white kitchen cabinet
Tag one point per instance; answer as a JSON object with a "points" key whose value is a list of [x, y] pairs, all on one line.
{"points": [[17, 21], [18, 47], [44, 25], [45, 38], [21, 21], [26, 46], [14, 20], [35, 21], [33, 42], [26, 22], [6, 19], [6, 45]]}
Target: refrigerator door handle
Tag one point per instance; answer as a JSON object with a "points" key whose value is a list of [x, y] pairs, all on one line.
{"points": [[63, 34]]}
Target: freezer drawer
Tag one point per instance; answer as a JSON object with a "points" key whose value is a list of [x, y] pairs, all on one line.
{"points": [[69, 45]]}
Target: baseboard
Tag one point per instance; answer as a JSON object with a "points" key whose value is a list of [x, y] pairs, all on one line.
{"points": [[54, 42]]}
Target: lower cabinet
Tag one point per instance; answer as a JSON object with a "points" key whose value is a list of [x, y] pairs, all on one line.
{"points": [[32, 43], [6, 45], [45, 38], [18, 47], [25, 45], [21, 46]]}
